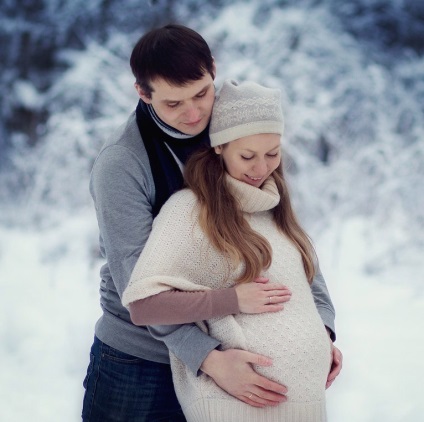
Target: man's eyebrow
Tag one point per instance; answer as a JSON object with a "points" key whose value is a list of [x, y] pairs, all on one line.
{"points": [[205, 88]]}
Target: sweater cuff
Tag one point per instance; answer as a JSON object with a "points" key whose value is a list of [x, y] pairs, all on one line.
{"points": [[224, 302], [327, 317]]}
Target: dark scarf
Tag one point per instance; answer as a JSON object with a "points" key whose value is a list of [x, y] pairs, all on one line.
{"points": [[156, 136]]}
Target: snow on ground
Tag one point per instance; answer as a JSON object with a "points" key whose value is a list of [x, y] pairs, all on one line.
{"points": [[379, 326], [49, 304]]}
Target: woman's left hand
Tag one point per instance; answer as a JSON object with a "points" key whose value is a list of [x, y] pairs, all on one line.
{"points": [[261, 296]]}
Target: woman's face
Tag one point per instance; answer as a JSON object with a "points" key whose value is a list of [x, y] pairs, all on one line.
{"points": [[253, 158]]}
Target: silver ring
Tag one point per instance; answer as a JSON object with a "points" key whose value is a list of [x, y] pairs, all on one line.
{"points": [[269, 299], [250, 396]]}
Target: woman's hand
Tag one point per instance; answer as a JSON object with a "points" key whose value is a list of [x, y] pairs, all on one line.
{"points": [[260, 296]]}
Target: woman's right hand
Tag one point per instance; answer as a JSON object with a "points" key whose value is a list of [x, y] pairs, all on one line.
{"points": [[261, 296]]}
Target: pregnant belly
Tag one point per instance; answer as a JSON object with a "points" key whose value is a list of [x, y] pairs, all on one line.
{"points": [[298, 343]]}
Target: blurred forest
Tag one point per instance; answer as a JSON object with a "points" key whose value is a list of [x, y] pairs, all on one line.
{"points": [[33, 33], [352, 73]]}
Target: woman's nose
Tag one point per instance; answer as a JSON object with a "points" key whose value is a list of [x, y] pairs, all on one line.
{"points": [[260, 167]]}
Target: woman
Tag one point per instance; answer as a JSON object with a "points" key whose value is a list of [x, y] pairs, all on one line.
{"points": [[231, 225]]}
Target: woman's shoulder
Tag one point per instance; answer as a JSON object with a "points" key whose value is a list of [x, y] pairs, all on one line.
{"points": [[182, 203], [182, 198]]}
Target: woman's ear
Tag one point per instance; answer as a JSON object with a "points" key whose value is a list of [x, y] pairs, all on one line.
{"points": [[218, 149], [141, 93]]}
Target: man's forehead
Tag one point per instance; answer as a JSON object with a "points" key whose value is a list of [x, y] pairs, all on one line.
{"points": [[163, 90]]}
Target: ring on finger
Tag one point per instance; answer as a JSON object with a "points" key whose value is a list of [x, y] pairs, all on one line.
{"points": [[269, 300]]}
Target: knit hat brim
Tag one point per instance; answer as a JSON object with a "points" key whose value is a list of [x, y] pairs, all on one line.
{"points": [[247, 129]]}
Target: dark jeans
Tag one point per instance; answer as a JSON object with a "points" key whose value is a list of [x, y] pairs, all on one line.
{"points": [[121, 387]]}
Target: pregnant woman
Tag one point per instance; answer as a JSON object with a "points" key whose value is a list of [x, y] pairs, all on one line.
{"points": [[232, 224]]}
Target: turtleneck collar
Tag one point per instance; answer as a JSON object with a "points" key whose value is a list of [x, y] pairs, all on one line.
{"points": [[169, 130], [253, 199]]}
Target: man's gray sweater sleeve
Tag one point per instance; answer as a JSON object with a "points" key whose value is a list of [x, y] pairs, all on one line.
{"points": [[122, 192], [187, 344], [323, 303]]}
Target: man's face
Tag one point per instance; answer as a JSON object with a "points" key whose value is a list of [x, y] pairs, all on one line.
{"points": [[186, 108]]}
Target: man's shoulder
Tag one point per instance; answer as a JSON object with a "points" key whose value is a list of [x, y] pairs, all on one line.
{"points": [[123, 159], [126, 135], [124, 145]]}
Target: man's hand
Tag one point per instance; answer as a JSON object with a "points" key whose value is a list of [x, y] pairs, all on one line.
{"points": [[336, 365], [232, 371], [261, 296]]}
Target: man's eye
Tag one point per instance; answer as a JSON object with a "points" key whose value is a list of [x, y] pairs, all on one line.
{"points": [[273, 155], [201, 95], [173, 105], [246, 158]]}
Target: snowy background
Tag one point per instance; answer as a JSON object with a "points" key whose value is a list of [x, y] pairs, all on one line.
{"points": [[353, 79]]}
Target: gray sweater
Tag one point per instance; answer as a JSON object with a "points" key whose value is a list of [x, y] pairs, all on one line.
{"points": [[123, 191]]}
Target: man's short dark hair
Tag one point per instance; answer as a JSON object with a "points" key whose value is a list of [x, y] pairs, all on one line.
{"points": [[174, 53]]}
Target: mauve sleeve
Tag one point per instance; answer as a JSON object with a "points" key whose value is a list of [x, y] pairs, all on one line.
{"points": [[181, 307]]}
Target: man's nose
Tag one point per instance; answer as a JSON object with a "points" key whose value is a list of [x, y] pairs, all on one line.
{"points": [[192, 112]]}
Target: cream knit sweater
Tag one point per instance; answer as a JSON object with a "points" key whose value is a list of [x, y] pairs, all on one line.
{"points": [[179, 256]]}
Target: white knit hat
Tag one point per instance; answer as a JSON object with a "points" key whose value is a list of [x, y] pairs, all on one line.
{"points": [[245, 109]]}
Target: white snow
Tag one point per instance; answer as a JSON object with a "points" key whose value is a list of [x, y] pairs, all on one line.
{"points": [[49, 306]]}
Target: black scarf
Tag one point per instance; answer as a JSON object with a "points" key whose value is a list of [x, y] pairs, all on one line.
{"points": [[156, 136]]}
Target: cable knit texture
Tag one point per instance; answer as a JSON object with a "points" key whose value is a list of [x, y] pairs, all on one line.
{"points": [[179, 256], [245, 109]]}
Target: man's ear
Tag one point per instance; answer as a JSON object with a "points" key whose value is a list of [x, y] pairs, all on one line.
{"points": [[218, 149], [142, 94]]}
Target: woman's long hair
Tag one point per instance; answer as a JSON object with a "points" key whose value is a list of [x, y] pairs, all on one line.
{"points": [[223, 222]]}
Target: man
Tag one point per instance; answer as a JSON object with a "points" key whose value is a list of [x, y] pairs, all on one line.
{"points": [[129, 377]]}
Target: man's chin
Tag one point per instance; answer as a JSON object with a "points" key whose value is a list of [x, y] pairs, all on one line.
{"points": [[193, 129]]}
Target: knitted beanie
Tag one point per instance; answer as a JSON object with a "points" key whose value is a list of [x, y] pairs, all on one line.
{"points": [[245, 109]]}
